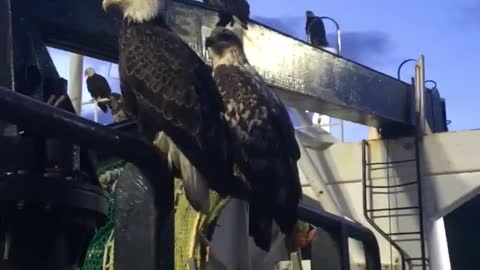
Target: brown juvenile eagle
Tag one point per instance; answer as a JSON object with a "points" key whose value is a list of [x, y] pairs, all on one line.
{"points": [[229, 9], [171, 92], [262, 135]]}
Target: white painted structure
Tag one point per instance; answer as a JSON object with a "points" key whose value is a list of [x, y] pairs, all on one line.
{"points": [[332, 174], [75, 82], [450, 177]]}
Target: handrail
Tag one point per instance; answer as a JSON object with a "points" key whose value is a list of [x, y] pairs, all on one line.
{"points": [[48, 121], [339, 34], [399, 69], [432, 81], [347, 229]]}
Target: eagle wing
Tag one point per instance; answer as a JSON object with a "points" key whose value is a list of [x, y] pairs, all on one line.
{"points": [[170, 89], [104, 86], [265, 147], [98, 86], [262, 120]]}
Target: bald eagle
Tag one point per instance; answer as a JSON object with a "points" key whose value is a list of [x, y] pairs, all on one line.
{"points": [[98, 87], [315, 30], [263, 139], [170, 90], [230, 9]]}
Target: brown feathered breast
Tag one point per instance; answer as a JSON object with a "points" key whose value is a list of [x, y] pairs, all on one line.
{"points": [[265, 149], [169, 88]]}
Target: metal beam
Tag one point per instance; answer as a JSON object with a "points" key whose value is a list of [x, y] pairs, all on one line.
{"points": [[48, 121], [6, 46], [305, 77], [6, 53]]}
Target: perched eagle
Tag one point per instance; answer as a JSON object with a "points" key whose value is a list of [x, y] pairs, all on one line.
{"points": [[315, 30], [263, 139], [98, 87], [229, 9], [170, 90]]}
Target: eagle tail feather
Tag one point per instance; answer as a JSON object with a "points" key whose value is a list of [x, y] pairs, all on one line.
{"points": [[103, 107], [195, 185], [243, 24], [288, 196], [260, 222]]}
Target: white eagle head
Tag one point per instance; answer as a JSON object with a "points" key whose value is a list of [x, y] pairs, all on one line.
{"points": [[89, 72], [139, 10], [225, 48]]}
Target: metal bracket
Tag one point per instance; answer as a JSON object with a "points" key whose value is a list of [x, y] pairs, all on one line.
{"points": [[296, 261]]}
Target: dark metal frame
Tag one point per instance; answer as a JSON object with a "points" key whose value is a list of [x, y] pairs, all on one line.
{"points": [[47, 121], [345, 229], [71, 127]]}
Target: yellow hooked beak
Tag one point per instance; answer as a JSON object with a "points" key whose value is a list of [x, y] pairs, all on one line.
{"points": [[108, 3]]}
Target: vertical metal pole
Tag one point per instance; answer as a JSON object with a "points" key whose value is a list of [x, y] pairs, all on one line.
{"points": [[344, 248], [438, 246], [75, 83], [420, 204], [6, 53], [6, 46], [95, 111], [419, 95], [339, 41], [341, 131], [75, 93]]}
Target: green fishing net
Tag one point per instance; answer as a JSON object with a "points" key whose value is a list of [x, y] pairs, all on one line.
{"points": [[190, 228], [100, 251]]}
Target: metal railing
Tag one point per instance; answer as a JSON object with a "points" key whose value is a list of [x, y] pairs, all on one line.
{"points": [[95, 106], [49, 121], [345, 229]]}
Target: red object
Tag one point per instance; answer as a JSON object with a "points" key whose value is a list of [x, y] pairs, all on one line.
{"points": [[302, 239]]}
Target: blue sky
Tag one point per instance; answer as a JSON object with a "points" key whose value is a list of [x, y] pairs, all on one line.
{"points": [[381, 34]]}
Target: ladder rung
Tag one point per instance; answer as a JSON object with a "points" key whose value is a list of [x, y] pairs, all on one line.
{"points": [[417, 259], [395, 215], [390, 162], [394, 186], [403, 233], [392, 209], [407, 240]]}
